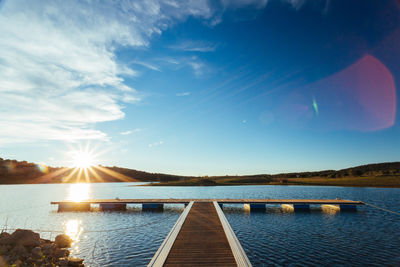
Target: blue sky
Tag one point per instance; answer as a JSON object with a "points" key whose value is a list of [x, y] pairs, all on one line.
{"points": [[201, 87]]}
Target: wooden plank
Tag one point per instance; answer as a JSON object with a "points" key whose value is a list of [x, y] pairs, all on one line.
{"points": [[222, 201], [202, 240], [237, 250], [163, 251]]}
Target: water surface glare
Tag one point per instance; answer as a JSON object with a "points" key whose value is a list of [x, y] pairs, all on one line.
{"points": [[366, 237]]}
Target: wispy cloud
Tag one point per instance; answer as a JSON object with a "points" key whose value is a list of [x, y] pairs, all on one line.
{"points": [[146, 65], [183, 94], [298, 4], [129, 132], [195, 46], [169, 60], [126, 132], [240, 3], [59, 70], [60, 75], [198, 66], [159, 143]]}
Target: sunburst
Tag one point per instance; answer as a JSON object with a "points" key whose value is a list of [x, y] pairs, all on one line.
{"points": [[84, 167], [83, 160]]}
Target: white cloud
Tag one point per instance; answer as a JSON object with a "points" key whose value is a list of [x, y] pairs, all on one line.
{"points": [[59, 70], [197, 66], [183, 94], [195, 46], [159, 143], [170, 60], [146, 65], [129, 132], [126, 132], [59, 75]]}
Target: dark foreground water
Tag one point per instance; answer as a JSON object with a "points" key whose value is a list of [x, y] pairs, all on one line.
{"points": [[368, 237]]}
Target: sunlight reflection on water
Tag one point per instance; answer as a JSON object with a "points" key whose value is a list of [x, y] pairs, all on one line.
{"points": [[73, 228], [79, 192]]}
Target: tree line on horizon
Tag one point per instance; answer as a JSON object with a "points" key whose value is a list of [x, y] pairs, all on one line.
{"points": [[18, 172]]}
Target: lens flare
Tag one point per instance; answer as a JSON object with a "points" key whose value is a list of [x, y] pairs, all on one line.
{"points": [[315, 105], [361, 97], [43, 168]]}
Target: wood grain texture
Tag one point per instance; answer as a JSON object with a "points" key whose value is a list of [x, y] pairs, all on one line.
{"points": [[162, 253], [236, 248], [202, 240]]}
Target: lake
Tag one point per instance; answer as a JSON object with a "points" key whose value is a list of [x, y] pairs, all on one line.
{"points": [[367, 237]]}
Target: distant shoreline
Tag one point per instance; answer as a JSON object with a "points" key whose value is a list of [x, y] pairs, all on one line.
{"points": [[385, 174], [378, 182], [382, 182]]}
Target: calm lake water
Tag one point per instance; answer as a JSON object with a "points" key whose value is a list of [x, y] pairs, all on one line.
{"points": [[368, 237]]}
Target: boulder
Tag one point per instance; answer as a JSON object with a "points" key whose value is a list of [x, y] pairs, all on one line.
{"points": [[36, 252], [17, 263], [25, 248], [25, 238], [63, 262], [5, 238], [75, 262], [45, 242], [3, 250], [63, 241], [18, 252], [4, 234], [48, 249], [61, 253]]}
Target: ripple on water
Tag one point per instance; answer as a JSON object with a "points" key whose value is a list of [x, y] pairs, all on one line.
{"points": [[129, 247], [368, 237], [314, 238]]}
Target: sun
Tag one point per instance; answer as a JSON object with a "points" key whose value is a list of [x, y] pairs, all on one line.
{"points": [[83, 160], [84, 167]]}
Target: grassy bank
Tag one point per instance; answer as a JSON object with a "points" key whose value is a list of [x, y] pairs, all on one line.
{"points": [[371, 181]]}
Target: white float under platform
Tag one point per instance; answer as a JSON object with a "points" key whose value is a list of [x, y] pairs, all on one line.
{"points": [[339, 207], [295, 207], [258, 207]]}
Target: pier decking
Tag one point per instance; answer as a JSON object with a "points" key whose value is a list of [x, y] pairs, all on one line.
{"points": [[201, 237]]}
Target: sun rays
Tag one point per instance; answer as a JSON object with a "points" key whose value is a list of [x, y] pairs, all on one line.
{"points": [[83, 167], [83, 159]]}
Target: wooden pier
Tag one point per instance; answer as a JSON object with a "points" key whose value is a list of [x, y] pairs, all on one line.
{"points": [[201, 237], [249, 204]]}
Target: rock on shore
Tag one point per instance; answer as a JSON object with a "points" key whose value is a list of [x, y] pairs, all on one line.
{"points": [[25, 248]]}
